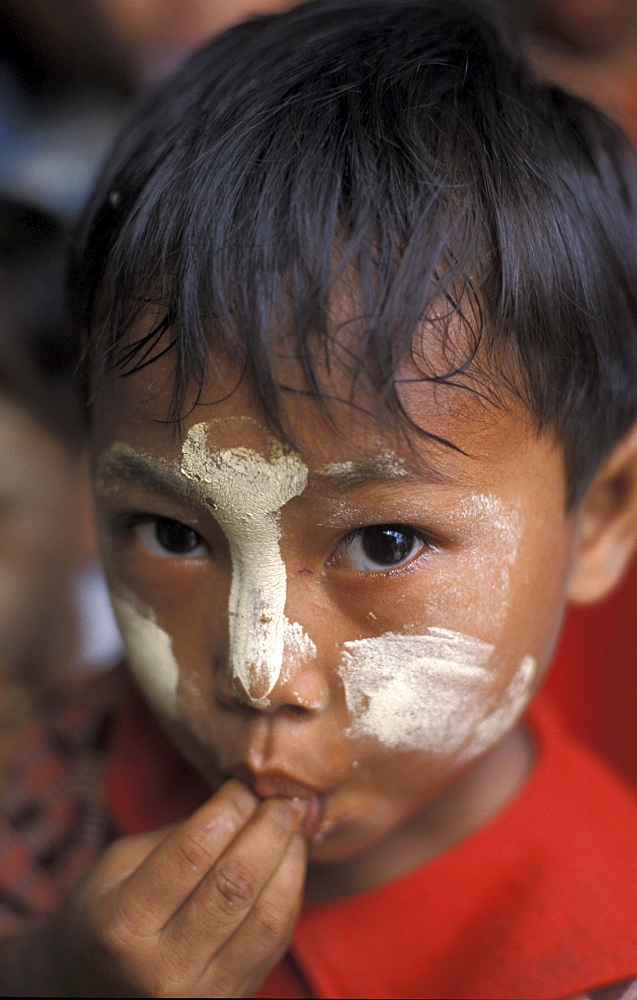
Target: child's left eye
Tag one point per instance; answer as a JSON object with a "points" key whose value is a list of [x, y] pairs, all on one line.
{"points": [[377, 547], [162, 536]]}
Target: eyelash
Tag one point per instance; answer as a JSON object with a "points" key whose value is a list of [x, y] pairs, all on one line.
{"points": [[376, 548], [373, 543], [147, 530]]}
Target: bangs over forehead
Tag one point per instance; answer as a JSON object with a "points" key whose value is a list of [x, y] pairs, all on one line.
{"points": [[401, 145]]}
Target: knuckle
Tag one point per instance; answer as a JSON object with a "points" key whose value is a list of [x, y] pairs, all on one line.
{"points": [[114, 934], [271, 922], [124, 926], [224, 980], [239, 800], [235, 886], [127, 920], [191, 852], [126, 960], [115, 955], [162, 980]]}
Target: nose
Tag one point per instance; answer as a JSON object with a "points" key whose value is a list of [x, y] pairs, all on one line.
{"points": [[296, 681]]}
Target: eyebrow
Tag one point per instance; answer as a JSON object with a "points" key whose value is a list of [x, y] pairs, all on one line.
{"points": [[123, 463], [388, 468]]}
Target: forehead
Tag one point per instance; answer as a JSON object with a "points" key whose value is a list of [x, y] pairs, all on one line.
{"points": [[347, 357], [464, 438]]}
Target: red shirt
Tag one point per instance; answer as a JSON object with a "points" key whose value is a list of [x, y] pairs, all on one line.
{"points": [[539, 903]]}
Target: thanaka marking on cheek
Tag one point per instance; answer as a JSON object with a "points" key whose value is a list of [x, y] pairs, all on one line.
{"points": [[246, 491], [431, 692], [505, 714], [149, 654], [298, 644]]}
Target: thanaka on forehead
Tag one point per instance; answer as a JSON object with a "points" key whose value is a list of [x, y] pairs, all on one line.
{"points": [[122, 463], [388, 467]]}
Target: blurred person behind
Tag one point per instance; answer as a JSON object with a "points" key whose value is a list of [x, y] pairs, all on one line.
{"points": [[590, 48], [68, 69], [45, 509]]}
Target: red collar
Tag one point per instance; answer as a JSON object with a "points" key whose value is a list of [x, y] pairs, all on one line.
{"points": [[148, 784], [541, 902]]}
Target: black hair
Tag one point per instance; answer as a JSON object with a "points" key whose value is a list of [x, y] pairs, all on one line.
{"points": [[39, 349], [405, 142]]}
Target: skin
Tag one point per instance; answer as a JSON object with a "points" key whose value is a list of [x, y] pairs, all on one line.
{"points": [[207, 907]]}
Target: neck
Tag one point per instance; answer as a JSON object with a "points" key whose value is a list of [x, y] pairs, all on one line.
{"points": [[455, 814]]}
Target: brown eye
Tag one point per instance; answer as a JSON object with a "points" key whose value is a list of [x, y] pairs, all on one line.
{"points": [[162, 536], [378, 547]]}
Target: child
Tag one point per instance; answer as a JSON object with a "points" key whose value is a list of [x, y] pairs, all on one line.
{"points": [[360, 305]]}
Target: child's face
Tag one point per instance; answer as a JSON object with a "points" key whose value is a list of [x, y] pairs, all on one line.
{"points": [[352, 621]]}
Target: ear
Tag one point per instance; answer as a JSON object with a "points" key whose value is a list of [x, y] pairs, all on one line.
{"points": [[608, 526]]}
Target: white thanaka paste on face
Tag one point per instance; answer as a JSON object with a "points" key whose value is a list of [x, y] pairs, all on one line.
{"points": [[297, 642], [430, 692], [387, 463], [149, 654], [503, 717], [246, 491]]}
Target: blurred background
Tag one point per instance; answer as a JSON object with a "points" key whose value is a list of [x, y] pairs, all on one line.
{"points": [[68, 71]]}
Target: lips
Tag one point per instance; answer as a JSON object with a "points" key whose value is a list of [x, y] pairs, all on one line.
{"points": [[271, 784]]}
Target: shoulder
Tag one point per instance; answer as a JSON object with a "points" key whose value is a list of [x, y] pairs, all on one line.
{"points": [[53, 818]]}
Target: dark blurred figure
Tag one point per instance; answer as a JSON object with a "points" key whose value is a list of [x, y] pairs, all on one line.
{"points": [[45, 511], [589, 47], [62, 92], [67, 71]]}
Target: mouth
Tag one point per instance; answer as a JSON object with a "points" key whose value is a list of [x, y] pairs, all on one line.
{"points": [[276, 784]]}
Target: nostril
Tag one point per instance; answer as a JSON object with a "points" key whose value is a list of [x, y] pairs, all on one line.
{"points": [[300, 695]]}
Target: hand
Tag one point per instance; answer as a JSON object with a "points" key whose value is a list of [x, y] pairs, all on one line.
{"points": [[203, 909]]}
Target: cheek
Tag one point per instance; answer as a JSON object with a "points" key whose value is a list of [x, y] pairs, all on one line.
{"points": [[476, 593], [149, 654], [442, 692]]}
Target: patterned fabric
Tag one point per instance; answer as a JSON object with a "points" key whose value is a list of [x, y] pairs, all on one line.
{"points": [[54, 822]]}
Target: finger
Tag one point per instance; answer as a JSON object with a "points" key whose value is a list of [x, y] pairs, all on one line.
{"points": [[263, 936], [149, 897], [223, 899]]}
